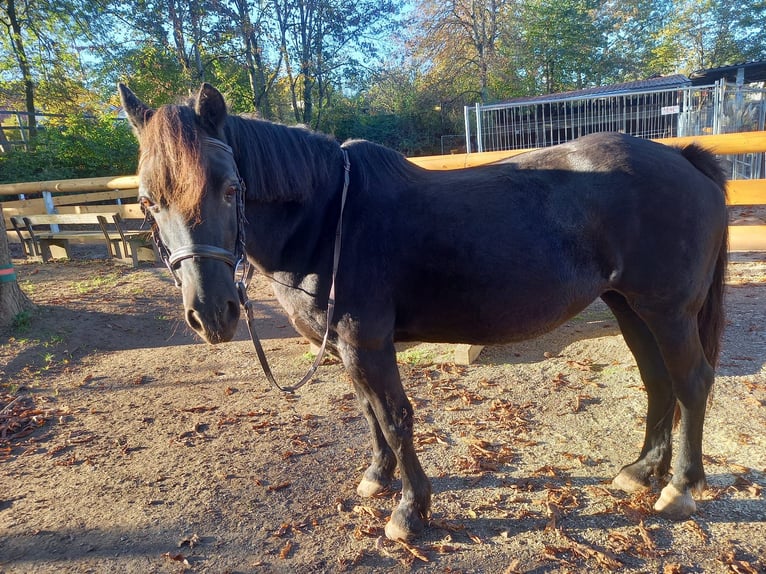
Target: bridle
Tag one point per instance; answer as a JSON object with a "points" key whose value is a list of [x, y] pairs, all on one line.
{"points": [[240, 265], [236, 260]]}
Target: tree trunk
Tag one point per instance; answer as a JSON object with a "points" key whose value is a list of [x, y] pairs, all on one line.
{"points": [[26, 75], [12, 299]]}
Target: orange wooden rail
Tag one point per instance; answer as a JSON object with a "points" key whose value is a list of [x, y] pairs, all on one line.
{"points": [[725, 144], [740, 192]]}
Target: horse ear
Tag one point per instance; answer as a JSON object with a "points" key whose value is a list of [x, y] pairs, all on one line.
{"points": [[210, 108], [137, 111]]}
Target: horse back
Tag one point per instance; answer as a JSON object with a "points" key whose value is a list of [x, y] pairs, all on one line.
{"points": [[511, 250]]}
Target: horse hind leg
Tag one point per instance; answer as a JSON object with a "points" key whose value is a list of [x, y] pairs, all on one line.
{"points": [[692, 375], [655, 456]]}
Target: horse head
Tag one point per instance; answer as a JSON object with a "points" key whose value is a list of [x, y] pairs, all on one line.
{"points": [[190, 187]]}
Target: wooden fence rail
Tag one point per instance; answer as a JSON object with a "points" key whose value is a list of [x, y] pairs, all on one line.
{"points": [[740, 192]]}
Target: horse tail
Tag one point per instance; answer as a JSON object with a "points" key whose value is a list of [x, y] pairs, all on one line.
{"points": [[711, 320]]}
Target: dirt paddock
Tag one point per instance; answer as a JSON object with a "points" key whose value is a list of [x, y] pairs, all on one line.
{"points": [[129, 446]]}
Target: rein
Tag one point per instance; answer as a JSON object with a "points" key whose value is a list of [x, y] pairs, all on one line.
{"points": [[248, 305], [238, 262]]}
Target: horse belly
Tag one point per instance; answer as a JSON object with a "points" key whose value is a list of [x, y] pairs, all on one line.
{"points": [[494, 315]]}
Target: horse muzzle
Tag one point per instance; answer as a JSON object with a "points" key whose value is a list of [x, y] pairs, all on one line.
{"points": [[215, 319], [211, 301]]}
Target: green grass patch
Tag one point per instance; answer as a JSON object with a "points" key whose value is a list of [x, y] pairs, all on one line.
{"points": [[100, 282]]}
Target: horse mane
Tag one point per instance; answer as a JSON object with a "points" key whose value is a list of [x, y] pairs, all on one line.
{"points": [[281, 163], [278, 163], [374, 163], [177, 175]]}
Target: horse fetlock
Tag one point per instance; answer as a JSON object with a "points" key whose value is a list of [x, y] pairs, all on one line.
{"points": [[675, 503]]}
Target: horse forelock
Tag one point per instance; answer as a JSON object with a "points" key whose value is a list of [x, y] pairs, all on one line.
{"points": [[170, 163]]}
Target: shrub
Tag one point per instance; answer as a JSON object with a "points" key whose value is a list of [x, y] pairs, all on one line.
{"points": [[72, 148]]}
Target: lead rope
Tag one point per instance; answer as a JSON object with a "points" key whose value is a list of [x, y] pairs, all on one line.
{"points": [[248, 305]]}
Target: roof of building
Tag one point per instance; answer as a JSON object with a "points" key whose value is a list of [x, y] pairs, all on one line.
{"points": [[653, 83], [754, 71]]}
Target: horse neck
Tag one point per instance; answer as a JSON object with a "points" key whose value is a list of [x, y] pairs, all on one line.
{"points": [[294, 180]]}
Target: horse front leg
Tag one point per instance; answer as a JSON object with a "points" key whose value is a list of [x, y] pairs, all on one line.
{"points": [[379, 387], [378, 476]]}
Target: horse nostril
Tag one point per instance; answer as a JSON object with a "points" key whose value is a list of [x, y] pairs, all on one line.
{"points": [[192, 318]]}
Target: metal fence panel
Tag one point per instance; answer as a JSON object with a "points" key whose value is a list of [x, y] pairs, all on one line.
{"points": [[681, 111]]}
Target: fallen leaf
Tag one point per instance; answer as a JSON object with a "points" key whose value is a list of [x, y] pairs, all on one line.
{"points": [[442, 548], [694, 527], [368, 510], [366, 530], [735, 565], [283, 554], [199, 409], [414, 550], [190, 541], [176, 558], [445, 525], [475, 538]]}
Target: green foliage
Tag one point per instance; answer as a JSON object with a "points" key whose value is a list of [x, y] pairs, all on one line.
{"points": [[352, 69], [151, 69], [409, 134], [21, 322], [73, 148], [561, 42], [398, 110]]}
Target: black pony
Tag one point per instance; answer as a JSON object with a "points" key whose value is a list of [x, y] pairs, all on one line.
{"points": [[483, 255]]}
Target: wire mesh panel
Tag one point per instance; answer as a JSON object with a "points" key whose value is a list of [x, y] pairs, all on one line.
{"points": [[679, 111], [540, 124]]}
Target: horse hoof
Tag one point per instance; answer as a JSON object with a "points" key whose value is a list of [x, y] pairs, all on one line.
{"points": [[675, 504], [627, 483], [368, 488], [404, 525], [396, 532]]}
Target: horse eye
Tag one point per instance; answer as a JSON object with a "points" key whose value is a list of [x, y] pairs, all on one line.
{"points": [[147, 204], [230, 193]]}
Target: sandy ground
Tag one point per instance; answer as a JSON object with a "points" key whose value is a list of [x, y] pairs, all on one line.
{"points": [[133, 447]]}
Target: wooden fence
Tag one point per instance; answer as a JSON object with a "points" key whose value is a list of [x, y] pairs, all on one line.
{"points": [[740, 192]]}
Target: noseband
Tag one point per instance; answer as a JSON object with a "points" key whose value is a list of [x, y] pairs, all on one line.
{"points": [[237, 260]]}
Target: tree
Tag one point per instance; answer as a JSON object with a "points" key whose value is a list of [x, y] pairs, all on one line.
{"points": [[318, 38], [249, 23], [698, 34], [40, 51], [395, 111], [461, 37], [150, 68], [562, 43], [181, 28], [12, 22], [12, 299]]}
